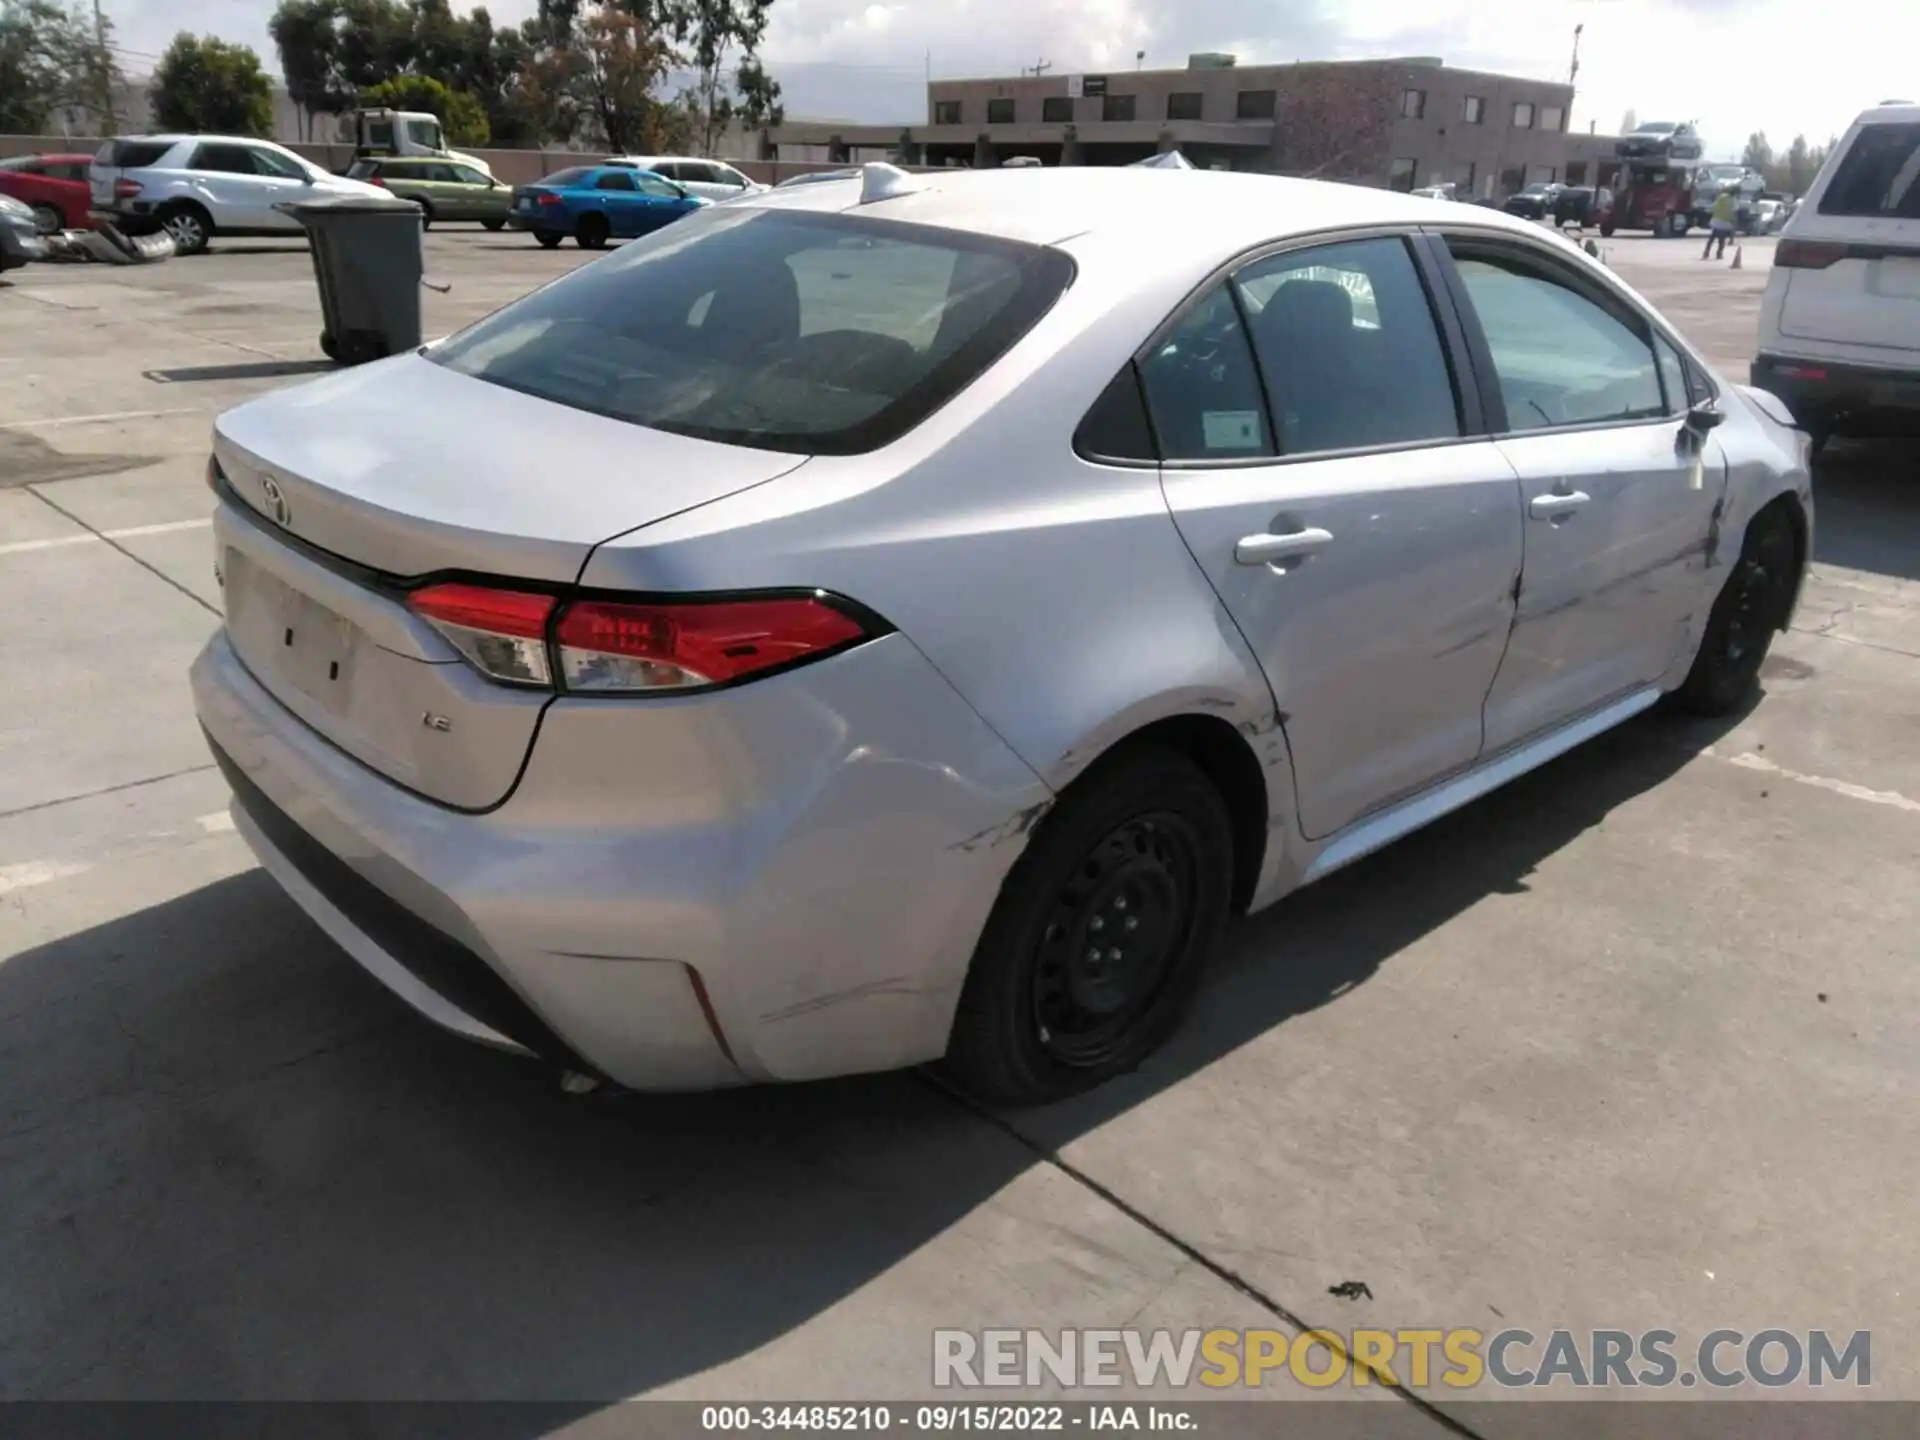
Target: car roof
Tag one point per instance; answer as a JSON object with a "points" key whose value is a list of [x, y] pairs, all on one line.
{"points": [[1239, 209], [1901, 113]]}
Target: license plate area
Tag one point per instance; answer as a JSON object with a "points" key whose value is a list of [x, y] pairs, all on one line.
{"points": [[291, 635]]}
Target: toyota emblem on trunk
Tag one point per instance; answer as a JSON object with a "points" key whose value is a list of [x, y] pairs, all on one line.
{"points": [[277, 506]]}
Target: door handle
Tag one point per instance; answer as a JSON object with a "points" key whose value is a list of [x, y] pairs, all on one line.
{"points": [[1265, 549], [1551, 507]]}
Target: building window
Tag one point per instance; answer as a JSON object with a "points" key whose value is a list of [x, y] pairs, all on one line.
{"points": [[1057, 109], [1523, 114], [1552, 117], [1401, 176], [946, 112], [1000, 112], [1472, 175], [1474, 112], [1117, 107], [1253, 105], [1576, 172], [1413, 104], [1185, 105]]}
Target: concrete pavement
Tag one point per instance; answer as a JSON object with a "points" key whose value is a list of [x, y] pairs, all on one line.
{"points": [[1630, 1044]]}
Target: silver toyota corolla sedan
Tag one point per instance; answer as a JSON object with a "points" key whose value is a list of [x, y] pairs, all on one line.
{"points": [[902, 618]]}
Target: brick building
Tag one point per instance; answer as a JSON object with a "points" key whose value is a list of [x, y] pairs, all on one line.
{"points": [[1403, 122]]}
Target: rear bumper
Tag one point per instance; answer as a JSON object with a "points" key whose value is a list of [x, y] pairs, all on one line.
{"points": [[780, 882], [519, 221], [1822, 393]]}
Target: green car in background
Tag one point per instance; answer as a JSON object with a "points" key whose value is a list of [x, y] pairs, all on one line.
{"points": [[444, 189]]}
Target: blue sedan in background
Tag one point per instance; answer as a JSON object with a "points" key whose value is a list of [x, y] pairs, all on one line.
{"points": [[595, 203]]}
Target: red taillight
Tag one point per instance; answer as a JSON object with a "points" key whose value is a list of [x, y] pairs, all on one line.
{"points": [[1808, 254], [502, 633], [1801, 372], [126, 189], [548, 199], [376, 180], [608, 647]]}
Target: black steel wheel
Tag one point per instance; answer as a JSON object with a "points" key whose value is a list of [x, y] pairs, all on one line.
{"points": [[1750, 608], [549, 239], [1096, 947], [592, 231]]}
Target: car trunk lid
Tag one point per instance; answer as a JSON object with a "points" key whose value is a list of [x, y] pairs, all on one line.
{"points": [[327, 522]]}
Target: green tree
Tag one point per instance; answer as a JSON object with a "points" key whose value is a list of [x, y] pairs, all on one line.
{"points": [[1759, 154], [617, 64], [204, 83], [375, 42], [713, 30], [306, 33], [53, 59], [460, 115]]}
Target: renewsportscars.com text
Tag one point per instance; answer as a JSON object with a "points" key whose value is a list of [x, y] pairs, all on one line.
{"points": [[1458, 1359]]}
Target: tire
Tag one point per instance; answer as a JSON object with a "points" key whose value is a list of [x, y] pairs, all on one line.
{"points": [[47, 220], [189, 225], [1751, 606], [1142, 842], [1606, 232], [492, 224], [592, 231], [329, 347], [549, 239], [426, 214]]}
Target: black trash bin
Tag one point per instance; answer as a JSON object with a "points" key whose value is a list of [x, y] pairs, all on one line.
{"points": [[368, 261]]}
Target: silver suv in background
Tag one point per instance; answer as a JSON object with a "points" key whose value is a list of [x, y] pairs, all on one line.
{"points": [[197, 186], [709, 179]]}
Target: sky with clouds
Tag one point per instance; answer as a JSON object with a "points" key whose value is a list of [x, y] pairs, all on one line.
{"points": [[1783, 66]]}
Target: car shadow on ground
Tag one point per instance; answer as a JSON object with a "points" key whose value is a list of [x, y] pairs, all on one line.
{"points": [[238, 1168], [1866, 496]]}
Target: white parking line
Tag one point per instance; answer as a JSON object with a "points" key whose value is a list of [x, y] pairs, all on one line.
{"points": [[132, 532], [1751, 761], [101, 419], [36, 872], [218, 823]]}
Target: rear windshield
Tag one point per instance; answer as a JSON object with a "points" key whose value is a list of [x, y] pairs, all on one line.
{"points": [[803, 332], [1879, 176], [560, 179], [132, 154]]}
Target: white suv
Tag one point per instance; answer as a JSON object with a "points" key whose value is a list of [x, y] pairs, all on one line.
{"points": [[197, 186], [1840, 329], [709, 179]]}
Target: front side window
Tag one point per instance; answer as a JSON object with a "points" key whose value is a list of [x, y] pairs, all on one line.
{"points": [[425, 133], [1673, 375], [467, 176], [1202, 388], [1348, 346], [223, 160], [1879, 176], [280, 167], [363, 169], [783, 330], [1560, 355]]}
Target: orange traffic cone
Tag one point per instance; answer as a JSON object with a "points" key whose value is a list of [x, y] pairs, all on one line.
{"points": [[1736, 259]]}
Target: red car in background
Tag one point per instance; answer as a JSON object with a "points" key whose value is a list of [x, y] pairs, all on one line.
{"points": [[54, 186]]}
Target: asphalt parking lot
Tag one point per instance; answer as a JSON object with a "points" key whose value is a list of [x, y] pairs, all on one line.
{"points": [[1633, 1043]]}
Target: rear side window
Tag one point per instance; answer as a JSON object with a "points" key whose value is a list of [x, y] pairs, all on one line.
{"points": [[1348, 347], [363, 169], [807, 333], [1879, 176], [132, 154], [1202, 388], [615, 180], [1561, 357], [561, 179]]}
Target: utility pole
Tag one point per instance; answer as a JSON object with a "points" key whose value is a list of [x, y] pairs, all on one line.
{"points": [[1574, 69], [103, 72], [1037, 69]]}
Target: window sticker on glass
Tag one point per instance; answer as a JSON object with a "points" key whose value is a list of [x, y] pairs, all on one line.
{"points": [[1231, 429]]}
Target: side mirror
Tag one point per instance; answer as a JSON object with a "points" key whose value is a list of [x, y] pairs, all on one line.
{"points": [[1705, 416]]}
